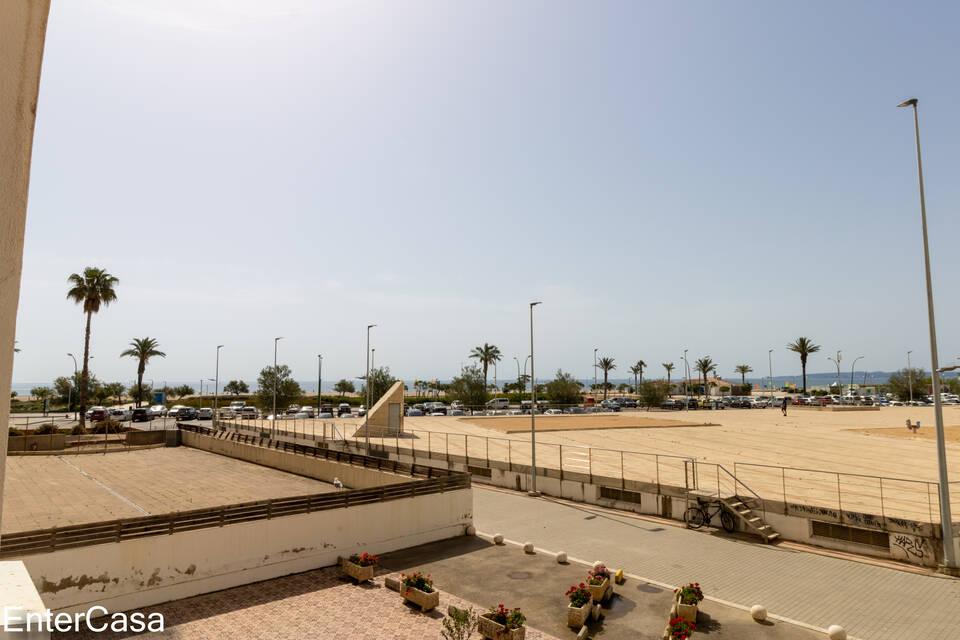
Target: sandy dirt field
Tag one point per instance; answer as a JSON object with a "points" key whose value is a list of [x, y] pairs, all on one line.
{"points": [[951, 434], [521, 424]]}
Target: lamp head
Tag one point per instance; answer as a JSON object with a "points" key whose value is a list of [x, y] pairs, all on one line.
{"points": [[533, 304], [912, 102]]}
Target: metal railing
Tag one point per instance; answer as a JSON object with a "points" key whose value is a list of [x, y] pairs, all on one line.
{"points": [[436, 481]]}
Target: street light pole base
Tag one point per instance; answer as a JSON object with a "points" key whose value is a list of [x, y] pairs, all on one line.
{"points": [[948, 571], [533, 494]]}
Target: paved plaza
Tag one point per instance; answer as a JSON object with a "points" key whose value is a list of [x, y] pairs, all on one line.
{"points": [[60, 490], [870, 601]]}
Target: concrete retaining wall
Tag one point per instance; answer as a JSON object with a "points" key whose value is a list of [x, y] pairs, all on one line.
{"points": [[48, 442]]}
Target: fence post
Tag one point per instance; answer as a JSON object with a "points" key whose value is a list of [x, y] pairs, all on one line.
{"points": [[839, 502], [487, 439], [656, 463], [446, 444], [510, 463], [561, 466], [783, 482], [466, 449], [590, 463], [882, 514], [429, 445]]}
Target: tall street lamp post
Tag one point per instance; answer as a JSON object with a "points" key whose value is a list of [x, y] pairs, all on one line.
{"points": [[770, 363], [319, 383], [946, 521], [216, 391], [686, 379], [837, 362], [373, 359], [273, 423], [533, 413], [72, 382], [595, 372], [910, 376], [366, 414], [851, 371]]}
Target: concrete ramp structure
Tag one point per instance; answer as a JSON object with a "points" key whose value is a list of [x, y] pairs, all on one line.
{"points": [[385, 418]]}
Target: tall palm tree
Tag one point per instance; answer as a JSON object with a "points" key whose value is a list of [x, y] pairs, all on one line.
{"points": [[93, 289], [704, 366], [143, 349], [636, 370], [641, 364], [487, 355], [669, 367], [743, 370], [804, 347], [607, 365]]}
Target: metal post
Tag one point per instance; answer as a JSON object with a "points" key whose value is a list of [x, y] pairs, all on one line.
{"points": [[590, 462], [910, 375], [366, 415], [623, 480], [533, 412], [839, 501], [275, 376], [216, 390], [429, 445], [946, 521], [882, 513], [320, 385], [561, 463]]}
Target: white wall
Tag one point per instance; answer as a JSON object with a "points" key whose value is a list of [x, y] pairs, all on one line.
{"points": [[138, 573]]}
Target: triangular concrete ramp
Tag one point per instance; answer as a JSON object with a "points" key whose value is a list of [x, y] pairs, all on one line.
{"points": [[385, 418]]}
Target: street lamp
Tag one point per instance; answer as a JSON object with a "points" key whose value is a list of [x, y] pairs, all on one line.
{"points": [[686, 378], [70, 390], [837, 362], [595, 372], [273, 423], [533, 413], [319, 383], [851, 371], [366, 414], [770, 363], [949, 552], [216, 390], [910, 375], [373, 359], [520, 379]]}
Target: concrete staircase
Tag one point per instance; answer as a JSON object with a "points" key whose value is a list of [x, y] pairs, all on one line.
{"points": [[745, 509]]}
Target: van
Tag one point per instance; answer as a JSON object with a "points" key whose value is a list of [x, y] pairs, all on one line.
{"points": [[498, 403]]}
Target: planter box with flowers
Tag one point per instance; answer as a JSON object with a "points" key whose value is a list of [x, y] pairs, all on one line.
{"points": [[418, 589], [580, 604], [678, 629], [598, 581], [501, 623], [688, 599], [360, 567]]}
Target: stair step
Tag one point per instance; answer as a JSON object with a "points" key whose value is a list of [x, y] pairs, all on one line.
{"points": [[771, 537], [754, 519]]}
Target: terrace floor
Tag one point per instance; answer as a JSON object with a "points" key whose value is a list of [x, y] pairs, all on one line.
{"points": [[61, 490]]}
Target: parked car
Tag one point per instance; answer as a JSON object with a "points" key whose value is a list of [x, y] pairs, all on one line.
{"points": [[343, 409], [456, 412], [362, 411], [625, 403], [237, 405], [671, 404], [574, 410], [414, 412], [435, 408], [120, 415], [142, 414], [498, 403], [158, 410], [249, 413], [174, 411], [205, 413], [98, 413], [553, 412], [187, 413], [456, 404], [610, 405], [292, 410]]}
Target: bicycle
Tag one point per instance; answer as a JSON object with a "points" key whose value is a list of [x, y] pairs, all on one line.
{"points": [[700, 514]]}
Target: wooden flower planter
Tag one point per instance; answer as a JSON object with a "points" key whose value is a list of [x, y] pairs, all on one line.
{"points": [[357, 572], [492, 630], [598, 591], [686, 612], [577, 616], [426, 601]]}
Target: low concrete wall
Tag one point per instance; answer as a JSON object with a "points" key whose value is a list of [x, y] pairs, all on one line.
{"points": [[317, 468], [147, 571], [49, 442], [137, 438]]}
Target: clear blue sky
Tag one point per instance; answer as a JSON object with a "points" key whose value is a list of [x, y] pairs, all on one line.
{"points": [[722, 177]]}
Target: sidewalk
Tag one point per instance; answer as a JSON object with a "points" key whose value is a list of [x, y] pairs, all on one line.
{"points": [[870, 602]]}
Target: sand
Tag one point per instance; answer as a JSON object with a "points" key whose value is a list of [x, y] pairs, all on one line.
{"points": [[520, 424]]}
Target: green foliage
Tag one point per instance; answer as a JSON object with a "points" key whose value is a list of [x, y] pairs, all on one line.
{"points": [[486, 356], [116, 390], [564, 390], [236, 387], [109, 426], [183, 390], [380, 383], [459, 624], [13, 394], [900, 382], [344, 386], [13, 431], [653, 393], [803, 346], [606, 364], [100, 394], [951, 385], [741, 389], [469, 387], [77, 430], [140, 393], [64, 388], [45, 429], [278, 379], [743, 370]]}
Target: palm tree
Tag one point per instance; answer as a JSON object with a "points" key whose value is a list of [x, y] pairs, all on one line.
{"points": [[804, 347], [487, 355], [636, 370], [669, 367], [704, 366], [743, 370], [607, 365], [142, 349], [93, 289]]}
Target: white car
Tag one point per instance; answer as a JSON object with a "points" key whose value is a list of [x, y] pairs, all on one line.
{"points": [[205, 413], [175, 410], [158, 410], [553, 412], [121, 415]]}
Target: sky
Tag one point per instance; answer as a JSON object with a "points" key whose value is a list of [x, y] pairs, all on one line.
{"points": [[717, 177]]}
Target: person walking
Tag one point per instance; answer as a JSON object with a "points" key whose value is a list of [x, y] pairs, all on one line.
{"points": [[783, 405]]}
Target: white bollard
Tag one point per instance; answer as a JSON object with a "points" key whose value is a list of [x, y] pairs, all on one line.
{"points": [[498, 538], [836, 632], [471, 530], [528, 547], [562, 557], [759, 612]]}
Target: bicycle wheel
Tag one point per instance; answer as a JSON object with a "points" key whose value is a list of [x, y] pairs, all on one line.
{"points": [[694, 517], [729, 524]]}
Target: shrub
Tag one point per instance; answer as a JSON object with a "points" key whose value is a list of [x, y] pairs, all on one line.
{"points": [[364, 560], [108, 426], [459, 624], [13, 431], [678, 629], [690, 594], [579, 595], [45, 429], [598, 574], [509, 618], [77, 430], [417, 581]]}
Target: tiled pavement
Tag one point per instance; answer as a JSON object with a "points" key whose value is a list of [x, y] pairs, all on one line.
{"points": [[869, 601], [55, 491], [318, 605]]}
